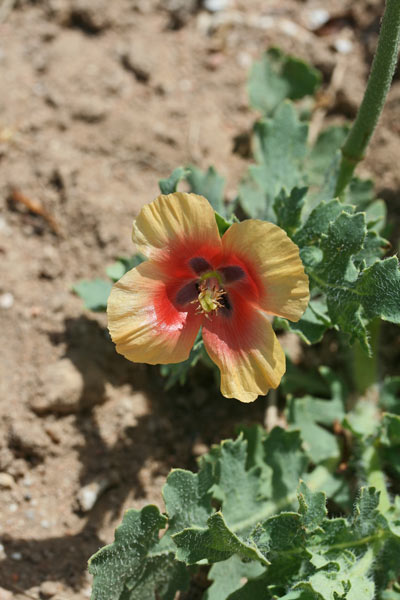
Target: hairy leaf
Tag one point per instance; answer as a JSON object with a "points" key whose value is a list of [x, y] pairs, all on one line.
{"points": [[279, 149], [133, 567], [277, 76], [209, 184]]}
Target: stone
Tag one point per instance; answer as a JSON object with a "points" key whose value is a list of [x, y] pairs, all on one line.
{"points": [[6, 458], [90, 493], [89, 109], [6, 300], [48, 589], [216, 5], [29, 438], [5, 594], [6, 481], [65, 389]]}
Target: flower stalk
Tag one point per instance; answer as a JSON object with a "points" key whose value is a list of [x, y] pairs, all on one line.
{"points": [[382, 70]]}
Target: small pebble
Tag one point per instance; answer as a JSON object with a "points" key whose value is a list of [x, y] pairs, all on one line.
{"points": [[2, 557], [13, 507], [317, 18], [45, 524], [16, 556], [6, 300], [6, 481], [48, 589], [5, 229], [5, 594], [216, 5], [343, 45], [89, 494]]}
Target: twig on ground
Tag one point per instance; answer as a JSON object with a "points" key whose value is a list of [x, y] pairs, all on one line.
{"points": [[36, 207]]}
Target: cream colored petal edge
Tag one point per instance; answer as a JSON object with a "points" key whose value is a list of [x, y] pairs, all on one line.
{"points": [[276, 260], [137, 331], [172, 218], [248, 373]]}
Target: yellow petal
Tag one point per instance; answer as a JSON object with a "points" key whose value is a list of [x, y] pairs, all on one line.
{"points": [[144, 324], [177, 221], [250, 364], [276, 263]]}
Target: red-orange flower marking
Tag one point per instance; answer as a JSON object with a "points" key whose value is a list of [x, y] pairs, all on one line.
{"points": [[194, 278]]}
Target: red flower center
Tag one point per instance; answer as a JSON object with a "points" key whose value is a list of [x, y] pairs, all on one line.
{"points": [[208, 290]]}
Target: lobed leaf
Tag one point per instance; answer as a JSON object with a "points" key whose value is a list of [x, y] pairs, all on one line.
{"points": [[209, 184], [134, 566], [170, 184], [277, 76]]}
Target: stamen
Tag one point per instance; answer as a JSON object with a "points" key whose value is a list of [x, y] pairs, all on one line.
{"points": [[209, 299]]}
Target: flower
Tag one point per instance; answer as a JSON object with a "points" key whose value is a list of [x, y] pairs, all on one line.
{"points": [[194, 278]]}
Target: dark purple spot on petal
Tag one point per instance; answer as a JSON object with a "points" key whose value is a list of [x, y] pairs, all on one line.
{"points": [[187, 293], [232, 273], [200, 265], [226, 306]]}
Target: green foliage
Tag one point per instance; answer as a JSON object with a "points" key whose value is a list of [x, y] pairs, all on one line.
{"points": [[122, 265], [241, 512], [94, 293], [277, 76], [279, 149], [208, 184], [350, 285], [170, 184]]}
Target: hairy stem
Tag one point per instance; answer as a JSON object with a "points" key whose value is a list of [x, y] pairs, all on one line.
{"points": [[378, 85]]}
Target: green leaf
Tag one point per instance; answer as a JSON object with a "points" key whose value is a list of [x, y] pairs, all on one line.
{"points": [[208, 184], [390, 443], [94, 293], [319, 221], [285, 456], [227, 577], [237, 486], [360, 192], [375, 215], [122, 265], [308, 414], [279, 148], [222, 224], [278, 76], [214, 543], [288, 209], [312, 507], [170, 184], [312, 325], [131, 567], [177, 373], [187, 498], [254, 200], [322, 154], [390, 395]]}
